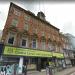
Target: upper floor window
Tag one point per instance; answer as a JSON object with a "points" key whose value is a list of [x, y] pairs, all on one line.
{"points": [[24, 42], [14, 22], [49, 46], [11, 38], [35, 30], [27, 18], [43, 33], [43, 44], [26, 26], [34, 43], [17, 12], [53, 47], [53, 36]]}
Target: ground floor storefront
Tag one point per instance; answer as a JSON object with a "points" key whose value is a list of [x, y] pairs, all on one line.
{"points": [[30, 59], [68, 62], [32, 63], [72, 61]]}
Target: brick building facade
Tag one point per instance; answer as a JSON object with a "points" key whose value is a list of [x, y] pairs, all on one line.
{"points": [[24, 30]]}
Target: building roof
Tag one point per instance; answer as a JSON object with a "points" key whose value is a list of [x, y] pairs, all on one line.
{"points": [[32, 14]]}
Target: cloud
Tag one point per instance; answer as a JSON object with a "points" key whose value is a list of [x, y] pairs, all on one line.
{"points": [[3, 14], [68, 27]]}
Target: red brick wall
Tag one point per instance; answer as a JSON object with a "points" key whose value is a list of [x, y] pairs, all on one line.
{"points": [[33, 24]]}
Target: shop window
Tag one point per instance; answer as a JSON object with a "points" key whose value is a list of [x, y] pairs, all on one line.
{"points": [[11, 38], [14, 22], [34, 43], [24, 42], [31, 60]]}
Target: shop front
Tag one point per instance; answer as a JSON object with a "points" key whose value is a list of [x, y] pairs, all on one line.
{"points": [[59, 61], [32, 59]]}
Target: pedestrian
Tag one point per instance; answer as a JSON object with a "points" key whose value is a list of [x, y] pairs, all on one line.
{"points": [[8, 70], [24, 70], [2, 71]]}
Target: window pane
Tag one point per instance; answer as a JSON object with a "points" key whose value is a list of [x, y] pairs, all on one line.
{"points": [[23, 42], [27, 18], [26, 26], [34, 43], [14, 22], [11, 40], [43, 44], [33, 60]]}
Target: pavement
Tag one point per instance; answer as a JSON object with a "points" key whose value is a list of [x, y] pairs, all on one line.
{"points": [[68, 71], [72, 73]]}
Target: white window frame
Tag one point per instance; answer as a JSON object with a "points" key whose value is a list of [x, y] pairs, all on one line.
{"points": [[43, 33], [26, 26], [36, 43], [10, 34], [49, 45], [25, 38], [43, 44], [27, 17], [13, 20]]}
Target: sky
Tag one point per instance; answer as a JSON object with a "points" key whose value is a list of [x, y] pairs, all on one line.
{"points": [[59, 14]]}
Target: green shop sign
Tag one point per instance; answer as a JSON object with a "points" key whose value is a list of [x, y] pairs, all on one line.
{"points": [[58, 55], [8, 50], [25, 52]]}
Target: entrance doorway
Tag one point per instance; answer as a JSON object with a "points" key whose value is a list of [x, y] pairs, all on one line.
{"points": [[44, 63]]}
